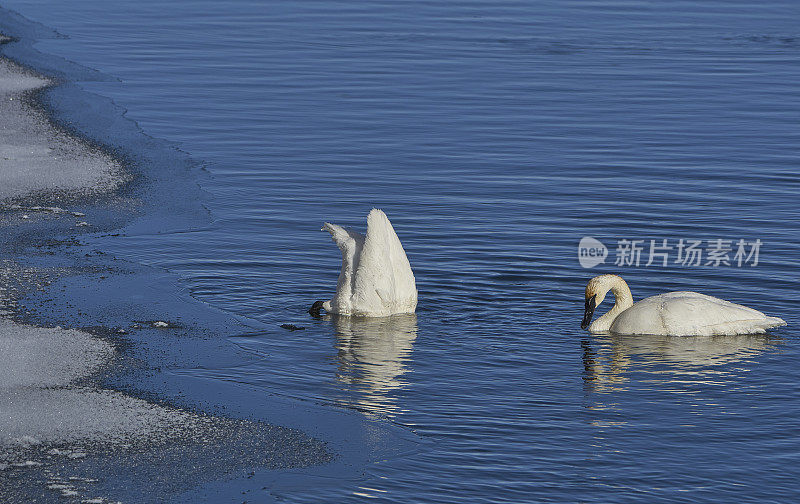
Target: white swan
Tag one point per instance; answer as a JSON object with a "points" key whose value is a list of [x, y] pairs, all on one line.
{"points": [[376, 278], [670, 314]]}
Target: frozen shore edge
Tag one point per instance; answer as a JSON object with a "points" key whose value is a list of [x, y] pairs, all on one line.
{"points": [[53, 414], [35, 158], [39, 364]]}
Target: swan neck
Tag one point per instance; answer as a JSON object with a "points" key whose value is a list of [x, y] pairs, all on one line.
{"points": [[623, 299]]}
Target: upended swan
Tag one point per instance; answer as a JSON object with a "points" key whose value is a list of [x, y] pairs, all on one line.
{"points": [[376, 278], [672, 314]]}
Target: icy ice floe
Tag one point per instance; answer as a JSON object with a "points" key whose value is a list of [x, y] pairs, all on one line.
{"points": [[42, 403], [50, 410], [48, 397], [42, 357], [34, 156]]}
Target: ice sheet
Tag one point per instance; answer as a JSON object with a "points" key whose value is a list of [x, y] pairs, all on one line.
{"points": [[41, 370], [42, 357], [34, 156]]}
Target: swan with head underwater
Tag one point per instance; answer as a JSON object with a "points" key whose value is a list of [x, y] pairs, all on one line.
{"points": [[376, 278], [672, 314]]}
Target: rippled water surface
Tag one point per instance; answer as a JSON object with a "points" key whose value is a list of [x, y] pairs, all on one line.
{"points": [[495, 135]]}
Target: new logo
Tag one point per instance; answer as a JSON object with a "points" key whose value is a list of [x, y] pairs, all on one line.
{"points": [[591, 252]]}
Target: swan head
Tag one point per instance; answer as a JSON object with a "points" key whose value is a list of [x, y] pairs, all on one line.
{"points": [[596, 291], [315, 308]]}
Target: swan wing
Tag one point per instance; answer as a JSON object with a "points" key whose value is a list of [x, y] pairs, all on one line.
{"points": [[691, 313], [384, 283], [350, 243]]}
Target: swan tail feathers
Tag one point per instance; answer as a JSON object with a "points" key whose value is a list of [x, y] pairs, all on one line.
{"points": [[385, 266], [344, 238], [334, 230]]}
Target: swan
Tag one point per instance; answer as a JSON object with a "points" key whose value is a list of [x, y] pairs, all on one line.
{"points": [[376, 278], [672, 314]]}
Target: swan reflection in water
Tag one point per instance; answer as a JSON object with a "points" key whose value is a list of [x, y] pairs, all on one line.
{"points": [[609, 360], [373, 355]]}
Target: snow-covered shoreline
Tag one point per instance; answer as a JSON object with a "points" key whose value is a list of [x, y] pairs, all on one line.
{"points": [[55, 412], [39, 366], [34, 156]]}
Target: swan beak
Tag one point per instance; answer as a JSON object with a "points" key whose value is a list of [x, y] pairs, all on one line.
{"points": [[588, 311]]}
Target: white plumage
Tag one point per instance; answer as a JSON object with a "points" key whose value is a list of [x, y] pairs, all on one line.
{"points": [[376, 278], [672, 314]]}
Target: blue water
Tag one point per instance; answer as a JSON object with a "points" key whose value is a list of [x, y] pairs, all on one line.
{"points": [[495, 135]]}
